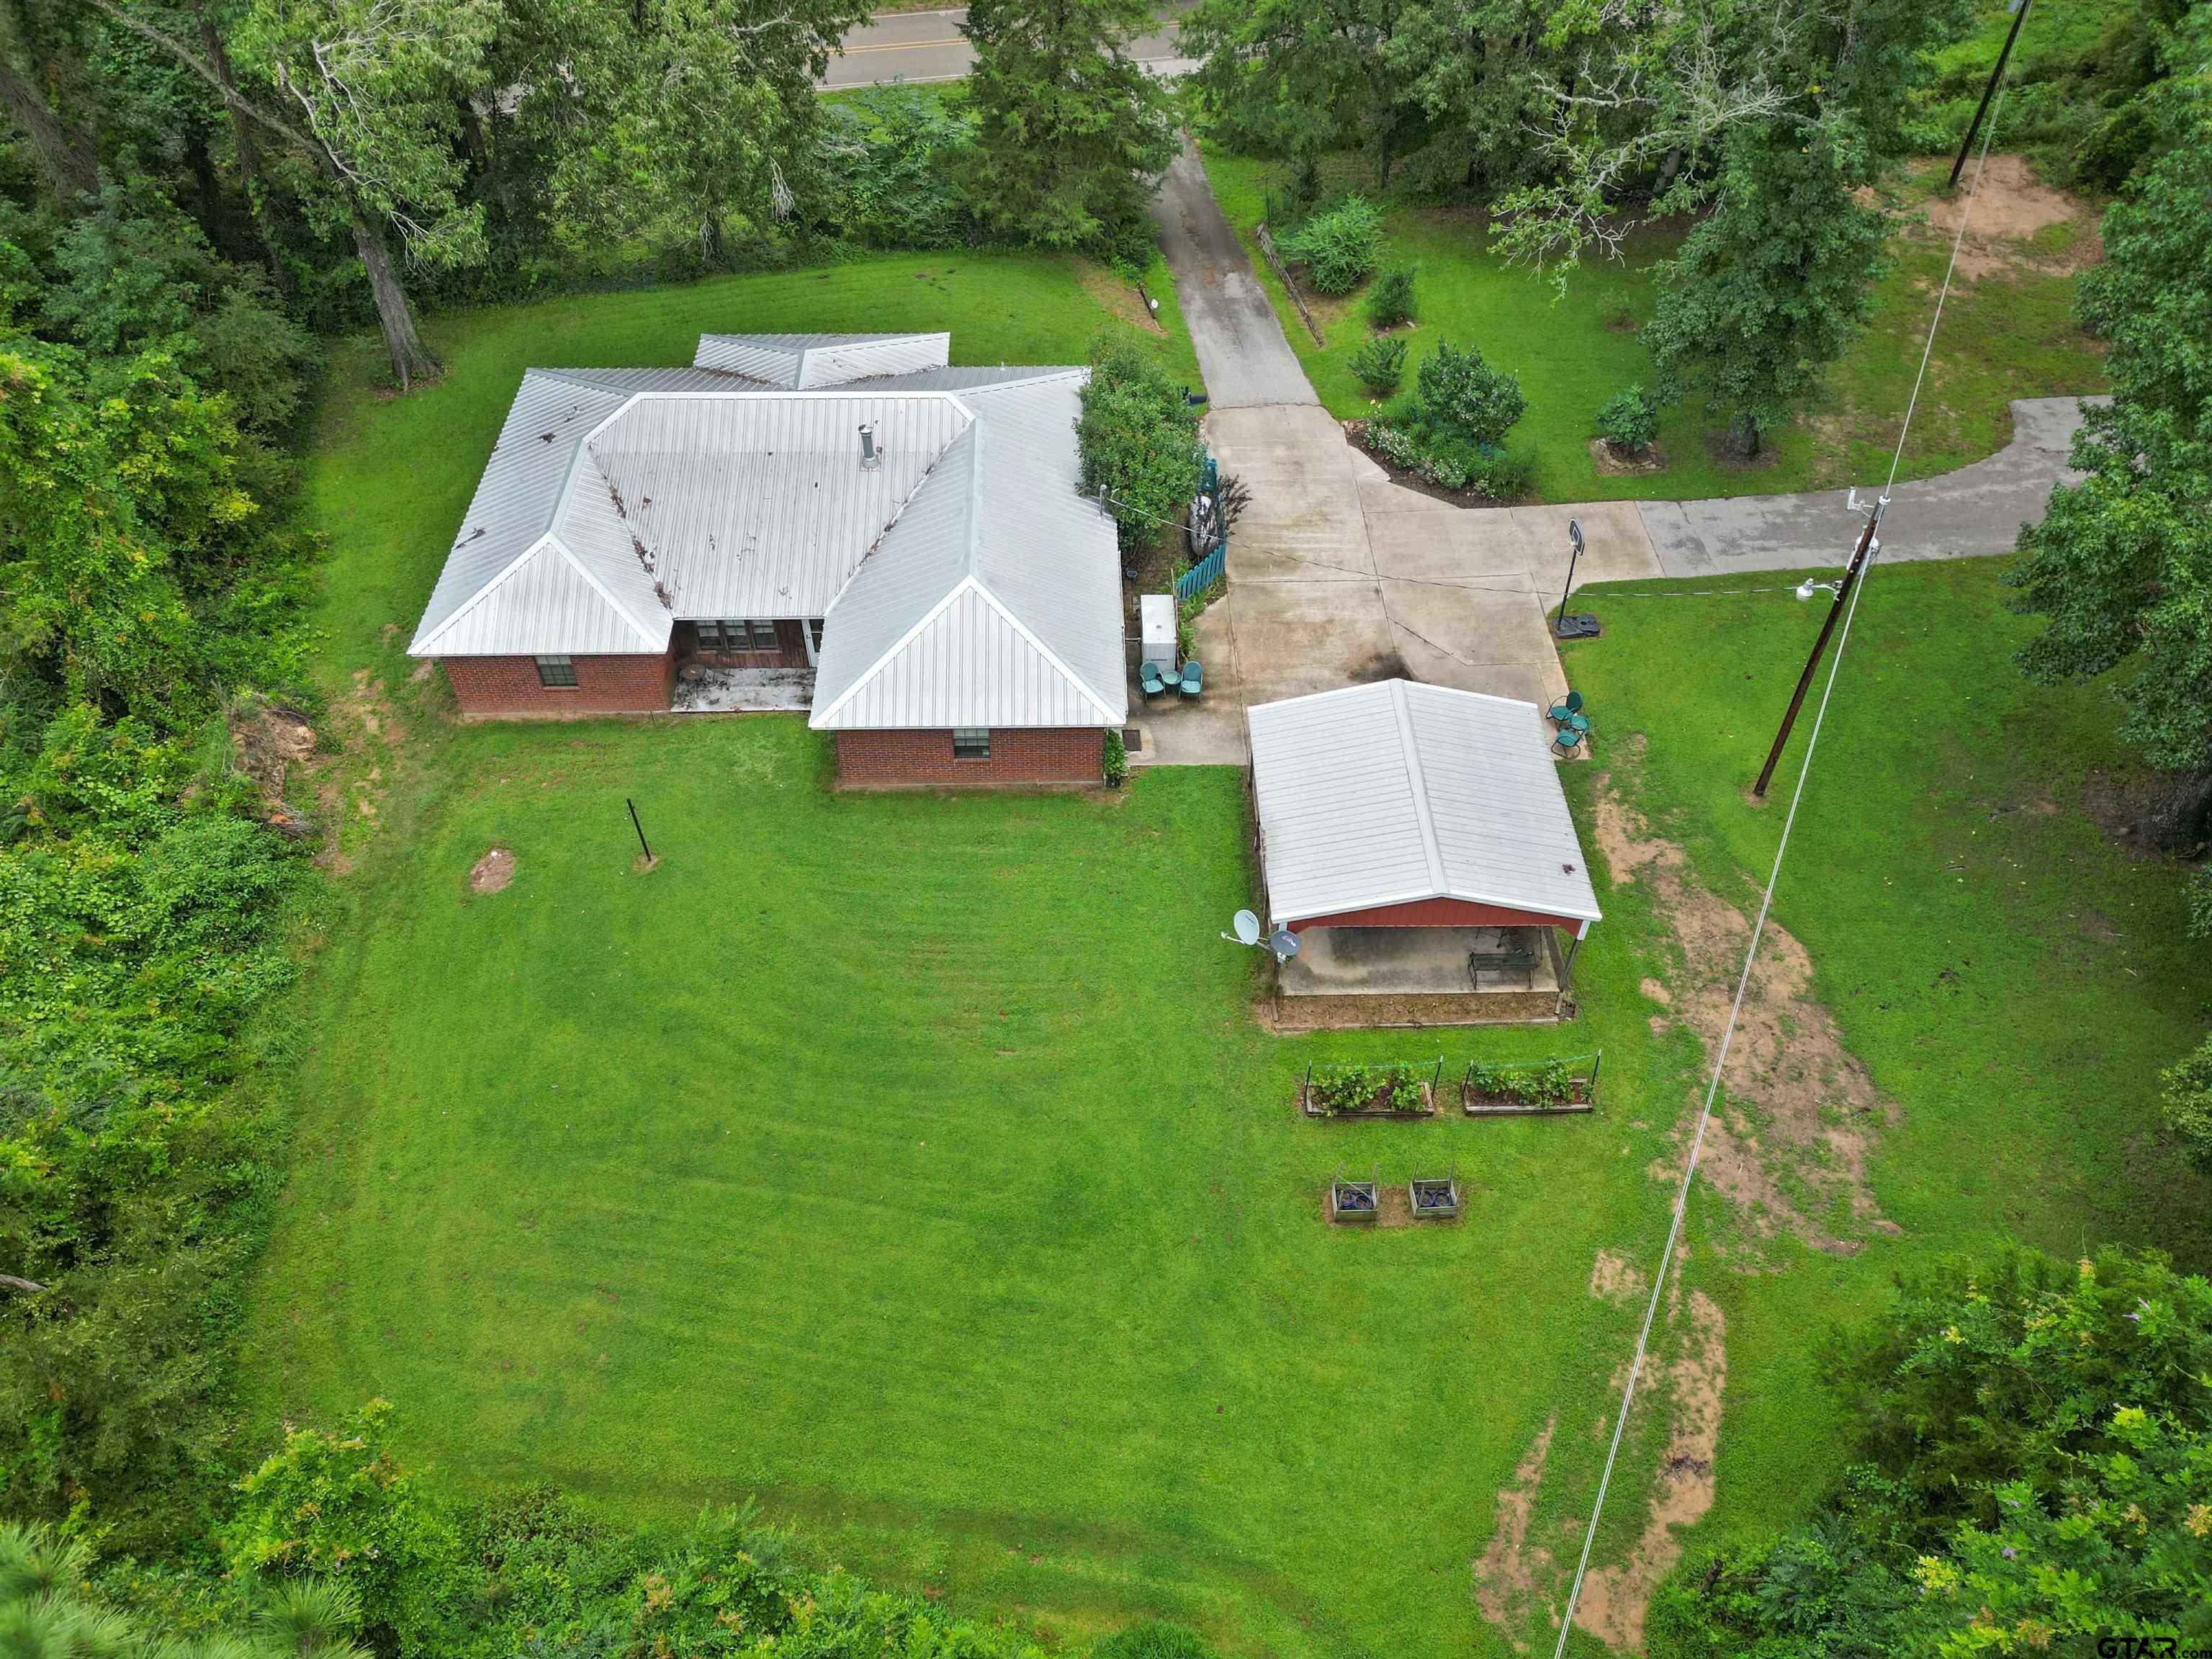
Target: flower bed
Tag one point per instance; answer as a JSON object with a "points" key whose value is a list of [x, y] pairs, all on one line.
{"points": [[1533, 1089], [1368, 1092]]}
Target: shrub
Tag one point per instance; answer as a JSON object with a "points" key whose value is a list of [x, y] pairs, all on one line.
{"points": [[1350, 1087], [2187, 1097], [1380, 364], [1548, 1083], [1300, 195], [1465, 400], [1339, 245], [1390, 301], [1628, 422], [1116, 759], [1154, 1640], [1394, 444], [1502, 474], [1139, 441]]}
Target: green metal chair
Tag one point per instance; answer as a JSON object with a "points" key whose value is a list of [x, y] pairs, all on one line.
{"points": [[1568, 739], [1562, 714], [1193, 681], [1149, 681]]}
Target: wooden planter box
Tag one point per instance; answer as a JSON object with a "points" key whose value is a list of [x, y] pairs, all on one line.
{"points": [[1477, 1105], [1581, 1096], [1354, 1202], [1433, 1200], [1426, 1109]]}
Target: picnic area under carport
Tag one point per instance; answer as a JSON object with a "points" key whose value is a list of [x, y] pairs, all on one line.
{"points": [[1416, 840]]}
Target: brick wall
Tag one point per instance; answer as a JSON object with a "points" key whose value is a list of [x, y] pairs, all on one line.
{"points": [[1043, 755], [506, 687]]}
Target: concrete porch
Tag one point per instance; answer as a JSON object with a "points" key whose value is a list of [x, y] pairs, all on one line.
{"points": [[704, 689], [1379, 976]]}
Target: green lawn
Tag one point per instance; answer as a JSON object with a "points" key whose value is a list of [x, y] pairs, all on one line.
{"points": [[2004, 336], [913, 1163]]}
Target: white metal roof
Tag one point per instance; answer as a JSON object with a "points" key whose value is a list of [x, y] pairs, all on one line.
{"points": [[619, 501], [800, 362], [995, 599], [1398, 792]]}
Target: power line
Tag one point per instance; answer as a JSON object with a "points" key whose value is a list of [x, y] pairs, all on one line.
{"points": [[1759, 927]]}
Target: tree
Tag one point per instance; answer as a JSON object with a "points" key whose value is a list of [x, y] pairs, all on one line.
{"points": [[1300, 77], [1768, 291], [2120, 568], [697, 111], [365, 96], [1069, 129], [1139, 443]]}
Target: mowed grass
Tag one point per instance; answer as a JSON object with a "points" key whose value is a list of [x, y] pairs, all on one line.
{"points": [[2004, 336], [2010, 974], [913, 1164]]}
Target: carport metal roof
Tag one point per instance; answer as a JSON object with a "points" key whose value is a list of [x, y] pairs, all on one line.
{"points": [[1392, 793]]}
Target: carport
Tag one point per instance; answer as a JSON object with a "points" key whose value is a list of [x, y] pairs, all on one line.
{"points": [[1416, 840]]}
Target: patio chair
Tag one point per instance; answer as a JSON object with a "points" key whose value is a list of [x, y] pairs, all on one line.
{"points": [[1568, 739], [1565, 714], [1193, 681], [1149, 682]]}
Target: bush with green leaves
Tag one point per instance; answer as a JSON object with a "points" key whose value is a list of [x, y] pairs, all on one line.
{"points": [[1628, 421], [1114, 761], [1155, 1639], [1546, 1082], [2038, 1444], [892, 159], [1351, 1087], [1463, 400], [1380, 364], [1338, 246], [1139, 441], [2186, 1096], [1390, 300]]}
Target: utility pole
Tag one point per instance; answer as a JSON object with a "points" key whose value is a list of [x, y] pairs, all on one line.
{"points": [[1851, 571], [2019, 17]]}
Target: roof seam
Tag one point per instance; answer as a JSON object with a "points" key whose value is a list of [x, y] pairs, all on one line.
{"points": [[1423, 814]]}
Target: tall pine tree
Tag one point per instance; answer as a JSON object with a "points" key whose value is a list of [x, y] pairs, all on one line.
{"points": [[1070, 129]]}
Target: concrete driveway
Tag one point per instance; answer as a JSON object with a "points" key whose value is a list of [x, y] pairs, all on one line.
{"points": [[1975, 512]]}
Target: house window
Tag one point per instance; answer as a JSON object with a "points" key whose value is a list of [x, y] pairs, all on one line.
{"points": [[971, 742], [556, 672], [738, 635]]}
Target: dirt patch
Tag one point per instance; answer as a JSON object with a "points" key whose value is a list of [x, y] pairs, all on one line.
{"points": [[492, 872], [268, 742], [1657, 991], [1613, 1598], [1116, 296], [1798, 1114], [1615, 1278], [1512, 1572], [1612, 464], [1717, 451], [2013, 213]]}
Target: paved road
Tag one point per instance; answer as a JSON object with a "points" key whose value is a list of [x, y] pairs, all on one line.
{"points": [[927, 45], [1973, 512], [1241, 349]]}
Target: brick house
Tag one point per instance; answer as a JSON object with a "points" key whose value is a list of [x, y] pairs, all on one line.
{"points": [[841, 523]]}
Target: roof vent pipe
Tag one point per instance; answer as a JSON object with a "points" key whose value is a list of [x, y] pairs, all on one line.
{"points": [[869, 459]]}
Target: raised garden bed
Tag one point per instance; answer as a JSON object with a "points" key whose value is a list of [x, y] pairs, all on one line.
{"points": [[1433, 1200], [1353, 1202], [1394, 1090], [1544, 1088]]}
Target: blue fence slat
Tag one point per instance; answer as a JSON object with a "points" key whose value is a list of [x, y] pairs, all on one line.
{"points": [[1202, 575]]}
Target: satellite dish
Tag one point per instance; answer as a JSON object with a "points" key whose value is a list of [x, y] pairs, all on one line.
{"points": [[1283, 943], [1248, 927]]}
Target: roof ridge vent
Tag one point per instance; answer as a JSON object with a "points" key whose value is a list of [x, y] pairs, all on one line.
{"points": [[870, 456]]}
